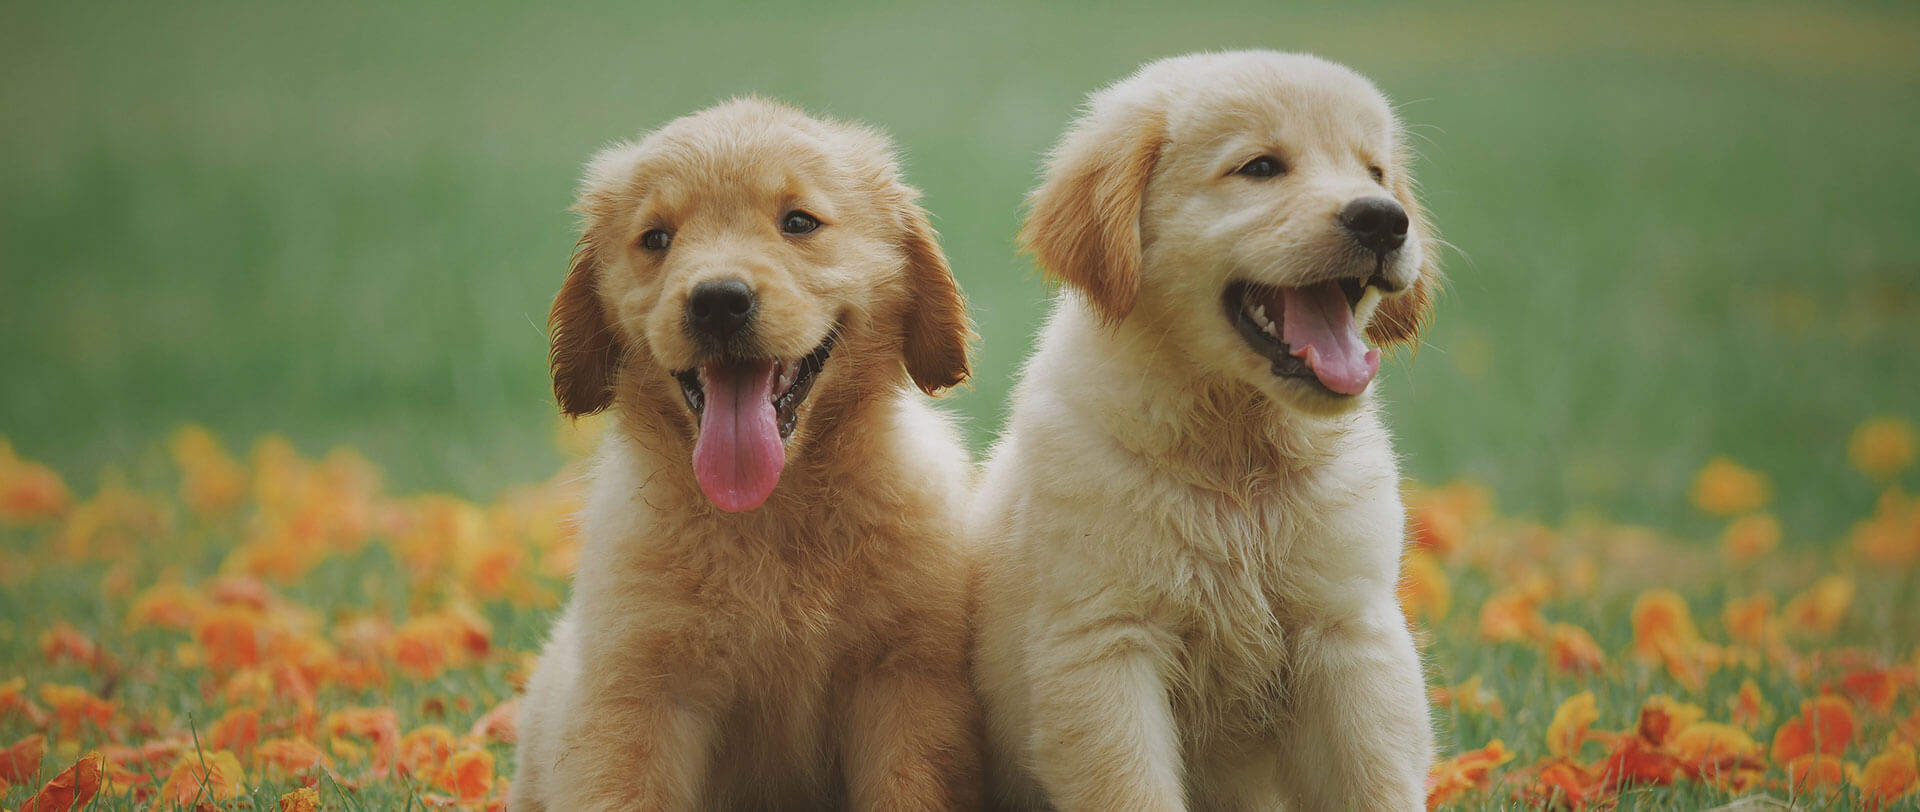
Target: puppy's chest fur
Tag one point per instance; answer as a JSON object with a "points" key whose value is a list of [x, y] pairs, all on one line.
{"points": [[1251, 586], [769, 625]]}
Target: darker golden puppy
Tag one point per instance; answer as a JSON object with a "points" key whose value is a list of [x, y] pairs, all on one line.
{"points": [[769, 611]]}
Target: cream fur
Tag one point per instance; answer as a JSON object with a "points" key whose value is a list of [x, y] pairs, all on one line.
{"points": [[811, 653], [1189, 600]]}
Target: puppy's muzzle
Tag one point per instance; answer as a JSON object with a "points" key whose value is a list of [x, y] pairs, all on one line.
{"points": [[1378, 224], [719, 310]]}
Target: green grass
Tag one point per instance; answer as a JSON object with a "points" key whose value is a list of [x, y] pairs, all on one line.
{"points": [[345, 222], [1680, 231]]}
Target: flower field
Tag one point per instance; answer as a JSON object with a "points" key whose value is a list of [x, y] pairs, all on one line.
{"points": [[212, 630]]}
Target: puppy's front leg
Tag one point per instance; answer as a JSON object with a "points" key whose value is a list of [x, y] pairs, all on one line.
{"points": [[638, 725], [1361, 739], [642, 751], [1104, 736], [912, 735]]}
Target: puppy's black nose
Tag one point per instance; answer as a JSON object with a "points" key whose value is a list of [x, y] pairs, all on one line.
{"points": [[1378, 223], [719, 308]]}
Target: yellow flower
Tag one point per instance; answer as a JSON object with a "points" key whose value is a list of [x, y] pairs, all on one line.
{"points": [[1892, 537], [1570, 722], [1819, 609], [203, 777], [1724, 488], [212, 483], [1750, 537], [1882, 447]]}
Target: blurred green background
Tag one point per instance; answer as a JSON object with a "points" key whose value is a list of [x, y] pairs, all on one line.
{"points": [[1680, 231]]}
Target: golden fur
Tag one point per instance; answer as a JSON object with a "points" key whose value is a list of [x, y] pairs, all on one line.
{"points": [[811, 653], [1189, 598]]}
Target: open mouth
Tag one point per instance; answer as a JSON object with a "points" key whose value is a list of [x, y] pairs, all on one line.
{"points": [[1310, 333], [747, 409], [791, 382]]}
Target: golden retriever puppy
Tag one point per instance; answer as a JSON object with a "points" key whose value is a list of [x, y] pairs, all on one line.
{"points": [[1193, 517], [770, 609]]}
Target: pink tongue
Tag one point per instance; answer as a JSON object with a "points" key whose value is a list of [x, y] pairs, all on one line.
{"points": [[1319, 328], [738, 456]]}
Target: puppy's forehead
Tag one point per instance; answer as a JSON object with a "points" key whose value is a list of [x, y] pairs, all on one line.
{"points": [[1270, 96], [760, 148]]}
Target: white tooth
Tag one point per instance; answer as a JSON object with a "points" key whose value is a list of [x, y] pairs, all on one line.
{"points": [[1260, 314], [1271, 330], [1369, 300]]}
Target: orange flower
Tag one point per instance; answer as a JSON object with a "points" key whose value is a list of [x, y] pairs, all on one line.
{"points": [[1892, 537], [1568, 730], [1662, 623], [29, 492], [1454, 777], [1563, 783], [468, 775], [1819, 610], [1750, 619], [424, 752], [1513, 615], [1636, 761], [1817, 771], [1438, 521], [380, 727], [1424, 589], [501, 724], [1468, 696], [238, 731], [1663, 716], [22, 761], [426, 645], [114, 523], [166, 606], [72, 789], [12, 701], [1724, 488], [1882, 447], [1573, 650], [212, 483], [230, 636], [1824, 725], [1750, 710], [1878, 687], [1709, 749], [284, 757], [198, 777], [1750, 537], [304, 799], [1909, 729], [1888, 776], [1663, 632], [75, 708], [64, 643]]}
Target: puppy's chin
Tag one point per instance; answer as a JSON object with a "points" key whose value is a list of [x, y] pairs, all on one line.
{"points": [[1306, 397]]}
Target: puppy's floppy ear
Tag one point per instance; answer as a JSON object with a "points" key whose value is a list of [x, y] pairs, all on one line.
{"points": [[937, 332], [1083, 222], [585, 350], [1400, 319]]}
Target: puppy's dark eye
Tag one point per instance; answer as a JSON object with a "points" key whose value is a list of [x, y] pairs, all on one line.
{"points": [[798, 222], [656, 240], [1379, 175], [1265, 166]]}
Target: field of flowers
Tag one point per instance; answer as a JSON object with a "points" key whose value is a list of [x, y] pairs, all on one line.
{"points": [[206, 630]]}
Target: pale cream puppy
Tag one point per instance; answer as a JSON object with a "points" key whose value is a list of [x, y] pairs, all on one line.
{"points": [[770, 609], [1194, 516]]}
